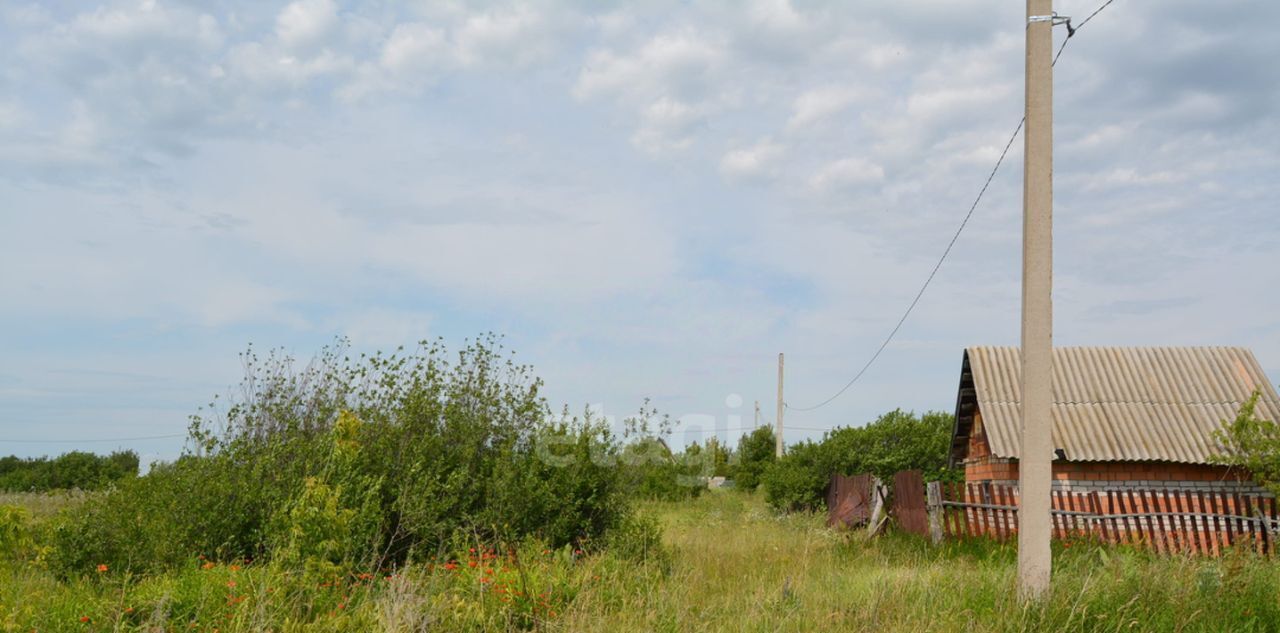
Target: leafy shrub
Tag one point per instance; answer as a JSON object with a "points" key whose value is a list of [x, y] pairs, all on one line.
{"points": [[1252, 444], [638, 538], [756, 452], [797, 481], [194, 506], [76, 469], [15, 533], [650, 469], [361, 462], [895, 441], [716, 459]]}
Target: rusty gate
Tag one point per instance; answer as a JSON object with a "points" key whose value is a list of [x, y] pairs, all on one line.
{"points": [[849, 500], [909, 502]]}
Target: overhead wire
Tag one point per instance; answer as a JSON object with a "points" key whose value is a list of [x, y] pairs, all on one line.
{"points": [[99, 440], [1071, 31]]}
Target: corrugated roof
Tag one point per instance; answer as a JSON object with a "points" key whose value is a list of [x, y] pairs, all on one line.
{"points": [[1118, 403]]}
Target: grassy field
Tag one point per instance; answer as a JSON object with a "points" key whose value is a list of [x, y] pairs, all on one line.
{"points": [[732, 566]]}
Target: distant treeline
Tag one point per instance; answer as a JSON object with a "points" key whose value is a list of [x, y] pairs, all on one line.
{"points": [[76, 469]]}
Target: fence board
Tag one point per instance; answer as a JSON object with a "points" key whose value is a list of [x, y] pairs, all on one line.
{"points": [[909, 503], [1221, 500], [1186, 527], [1221, 528], [964, 511], [1159, 521], [979, 514], [1001, 516], [1057, 522], [1113, 509], [1075, 528], [1095, 506], [948, 513], [1271, 535], [1184, 522], [1208, 535]]}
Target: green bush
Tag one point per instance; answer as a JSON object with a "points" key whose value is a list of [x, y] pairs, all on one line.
{"points": [[194, 506], [1252, 444], [756, 452], [798, 481], [895, 441], [361, 462], [76, 469], [16, 541], [639, 539], [650, 469], [716, 459]]}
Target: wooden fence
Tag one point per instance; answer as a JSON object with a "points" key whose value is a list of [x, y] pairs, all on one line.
{"points": [[1173, 521]]}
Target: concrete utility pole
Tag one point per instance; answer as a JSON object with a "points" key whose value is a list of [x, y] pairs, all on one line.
{"points": [[1035, 465], [757, 425], [777, 451]]}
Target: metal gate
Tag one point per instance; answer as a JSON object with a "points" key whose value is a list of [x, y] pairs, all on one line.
{"points": [[849, 500], [909, 503]]}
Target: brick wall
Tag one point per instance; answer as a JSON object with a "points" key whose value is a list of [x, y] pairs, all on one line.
{"points": [[1086, 476]]}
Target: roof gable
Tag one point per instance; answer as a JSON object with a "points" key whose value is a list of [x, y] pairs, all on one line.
{"points": [[1116, 403]]}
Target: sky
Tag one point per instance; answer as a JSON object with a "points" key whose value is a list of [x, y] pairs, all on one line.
{"points": [[647, 200]]}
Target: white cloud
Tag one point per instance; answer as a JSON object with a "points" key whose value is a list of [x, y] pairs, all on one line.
{"points": [[846, 172], [11, 114], [677, 64], [687, 186], [668, 124], [820, 103], [383, 328], [755, 161], [305, 23], [932, 104], [416, 46], [273, 70], [516, 38], [667, 83]]}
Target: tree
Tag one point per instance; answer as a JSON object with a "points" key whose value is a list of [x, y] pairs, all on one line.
{"points": [[718, 457], [1252, 444], [895, 441], [797, 481], [755, 454]]}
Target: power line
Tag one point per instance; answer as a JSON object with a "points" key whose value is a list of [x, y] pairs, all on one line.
{"points": [[118, 439], [1071, 31], [748, 428]]}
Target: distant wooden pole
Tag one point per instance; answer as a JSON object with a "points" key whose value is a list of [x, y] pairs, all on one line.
{"points": [[778, 433], [1035, 463]]}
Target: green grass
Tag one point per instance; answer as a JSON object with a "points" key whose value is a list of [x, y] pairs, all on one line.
{"points": [[734, 566], [44, 505]]}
